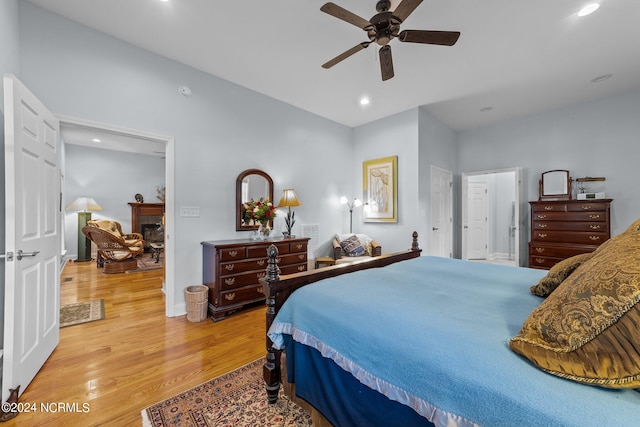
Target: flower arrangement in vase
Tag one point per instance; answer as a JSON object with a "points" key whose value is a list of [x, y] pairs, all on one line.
{"points": [[259, 212]]}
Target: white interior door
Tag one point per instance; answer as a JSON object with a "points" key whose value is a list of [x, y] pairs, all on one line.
{"points": [[477, 220], [32, 270], [441, 213]]}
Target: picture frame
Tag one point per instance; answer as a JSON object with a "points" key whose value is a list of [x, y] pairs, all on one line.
{"points": [[380, 189]]}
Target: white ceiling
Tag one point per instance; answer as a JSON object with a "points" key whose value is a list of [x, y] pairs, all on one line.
{"points": [[516, 57]]}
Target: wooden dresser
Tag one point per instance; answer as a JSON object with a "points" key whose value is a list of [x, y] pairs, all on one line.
{"points": [[563, 228], [232, 269]]}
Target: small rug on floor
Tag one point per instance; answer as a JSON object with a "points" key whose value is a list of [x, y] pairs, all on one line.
{"points": [[237, 398], [146, 262], [81, 312]]}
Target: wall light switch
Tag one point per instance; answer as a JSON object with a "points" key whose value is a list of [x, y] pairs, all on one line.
{"points": [[189, 211]]}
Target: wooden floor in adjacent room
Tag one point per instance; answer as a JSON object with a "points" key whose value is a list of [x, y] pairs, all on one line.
{"points": [[136, 356]]}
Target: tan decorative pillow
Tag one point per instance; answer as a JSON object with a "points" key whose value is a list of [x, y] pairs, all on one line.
{"points": [[558, 273], [588, 329]]}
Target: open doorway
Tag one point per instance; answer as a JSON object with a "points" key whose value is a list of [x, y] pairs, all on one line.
{"points": [[82, 132], [492, 216]]}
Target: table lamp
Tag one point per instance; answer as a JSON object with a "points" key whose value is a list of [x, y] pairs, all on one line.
{"points": [[83, 206], [289, 199]]}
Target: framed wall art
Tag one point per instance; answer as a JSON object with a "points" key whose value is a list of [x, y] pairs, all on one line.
{"points": [[380, 189]]}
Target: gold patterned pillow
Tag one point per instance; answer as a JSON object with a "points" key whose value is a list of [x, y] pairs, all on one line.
{"points": [[558, 273], [588, 329]]}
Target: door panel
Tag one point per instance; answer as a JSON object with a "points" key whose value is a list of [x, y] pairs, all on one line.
{"points": [[477, 217], [441, 213], [32, 221]]}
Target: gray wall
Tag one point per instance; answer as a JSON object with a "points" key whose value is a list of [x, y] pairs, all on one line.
{"points": [[593, 139], [220, 131]]}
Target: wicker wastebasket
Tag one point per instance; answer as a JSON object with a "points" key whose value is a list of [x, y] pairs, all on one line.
{"points": [[196, 298]]}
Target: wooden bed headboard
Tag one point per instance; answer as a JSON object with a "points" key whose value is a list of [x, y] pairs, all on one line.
{"points": [[278, 288]]}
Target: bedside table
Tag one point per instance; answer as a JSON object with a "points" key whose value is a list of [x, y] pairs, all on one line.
{"points": [[325, 261]]}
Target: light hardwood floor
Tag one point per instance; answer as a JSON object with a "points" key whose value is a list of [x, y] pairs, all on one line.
{"points": [[136, 356]]}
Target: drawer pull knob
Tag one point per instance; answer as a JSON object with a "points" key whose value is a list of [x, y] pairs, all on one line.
{"points": [[260, 291], [594, 238], [230, 281], [233, 253], [548, 208], [229, 267], [299, 246], [539, 250], [594, 227], [261, 262], [542, 235], [261, 275], [230, 297], [542, 225], [540, 260], [594, 216], [586, 207], [301, 256], [540, 216], [301, 268]]}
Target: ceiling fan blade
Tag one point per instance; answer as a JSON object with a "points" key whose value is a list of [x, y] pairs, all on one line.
{"points": [[345, 55], [341, 13], [443, 38], [405, 8], [386, 62]]}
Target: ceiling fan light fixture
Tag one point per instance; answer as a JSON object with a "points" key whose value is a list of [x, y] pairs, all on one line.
{"points": [[588, 9]]}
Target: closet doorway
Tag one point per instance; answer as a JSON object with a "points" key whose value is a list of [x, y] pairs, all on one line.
{"points": [[492, 216]]}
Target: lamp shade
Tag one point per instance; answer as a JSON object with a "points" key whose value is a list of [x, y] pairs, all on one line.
{"points": [[288, 198], [84, 204]]}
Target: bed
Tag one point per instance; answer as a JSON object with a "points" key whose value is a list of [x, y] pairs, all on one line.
{"points": [[412, 340]]}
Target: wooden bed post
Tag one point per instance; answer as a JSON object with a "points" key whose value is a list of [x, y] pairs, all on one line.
{"points": [[271, 369]]}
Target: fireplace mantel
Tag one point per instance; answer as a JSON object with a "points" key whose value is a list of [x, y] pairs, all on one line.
{"points": [[145, 213]]}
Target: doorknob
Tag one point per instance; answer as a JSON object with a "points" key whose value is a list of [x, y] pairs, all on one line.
{"points": [[8, 256], [435, 229], [21, 254]]}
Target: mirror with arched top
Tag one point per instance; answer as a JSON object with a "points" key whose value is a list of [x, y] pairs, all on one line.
{"points": [[252, 184], [555, 184]]}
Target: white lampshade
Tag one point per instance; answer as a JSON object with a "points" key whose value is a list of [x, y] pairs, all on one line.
{"points": [[84, 204]]}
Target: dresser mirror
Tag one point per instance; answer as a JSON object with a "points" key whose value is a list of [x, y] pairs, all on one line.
{"points": [[555, 185], [251, 184]]}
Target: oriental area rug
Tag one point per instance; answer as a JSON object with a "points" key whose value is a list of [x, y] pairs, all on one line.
{"points": [[237, 398], [81, 312], [147, 262]]}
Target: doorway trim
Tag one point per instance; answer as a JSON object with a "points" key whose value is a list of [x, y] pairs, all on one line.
{"points": [[519, 214], [169, 141]]}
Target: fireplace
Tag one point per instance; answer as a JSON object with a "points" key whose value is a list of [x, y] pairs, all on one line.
{"points": [[146, 219]]}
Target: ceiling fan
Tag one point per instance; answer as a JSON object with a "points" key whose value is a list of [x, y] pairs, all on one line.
{"points": [[384, 27]]}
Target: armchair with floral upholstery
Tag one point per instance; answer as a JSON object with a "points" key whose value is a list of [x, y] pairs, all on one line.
{"points": [[133, 241]]}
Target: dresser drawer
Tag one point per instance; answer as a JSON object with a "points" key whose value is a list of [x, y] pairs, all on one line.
{"points": [[298, 247], [232, 254], [543, 262], [240, 280], [585, 206], [558, 250], [292, 259], [570, 216], [230, 268], [570, 226], [292, 269], [588, 238], [261, 251], [550, 207], [240, 296]]}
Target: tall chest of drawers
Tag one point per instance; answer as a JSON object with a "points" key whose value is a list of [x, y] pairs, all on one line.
{"points": [[232, 270], [563, 228]]}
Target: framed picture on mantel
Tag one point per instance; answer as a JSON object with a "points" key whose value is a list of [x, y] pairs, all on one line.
{"points": [[380, 189]]}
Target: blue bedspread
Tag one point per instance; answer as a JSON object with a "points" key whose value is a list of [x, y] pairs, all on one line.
{"points": [[432, 333]]}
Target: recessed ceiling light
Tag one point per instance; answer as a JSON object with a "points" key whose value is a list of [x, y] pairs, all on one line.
{"points": [[364, 101], [96, 140], [588, 9], [601, 78]]}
